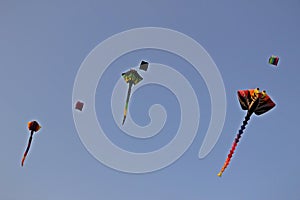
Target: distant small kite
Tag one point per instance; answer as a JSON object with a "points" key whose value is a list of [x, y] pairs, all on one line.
{"points": [[33, 126], [79, 105], [144, 65], [255, 102], [273, 60]]}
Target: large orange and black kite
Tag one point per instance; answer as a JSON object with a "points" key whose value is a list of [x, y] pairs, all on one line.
{"points": [[253, 101]]}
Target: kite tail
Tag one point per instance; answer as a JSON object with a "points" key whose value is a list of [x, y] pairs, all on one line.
{"points": [[125, 112], [236, 141], [127, 100], [27, 149]]}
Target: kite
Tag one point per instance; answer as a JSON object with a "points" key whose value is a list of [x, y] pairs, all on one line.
{"points": [[133, 78], [79, 105], [33, 126], [144, 65], [253, 101], [273, 60]]}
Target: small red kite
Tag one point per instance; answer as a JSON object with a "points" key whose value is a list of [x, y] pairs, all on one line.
{"points": [[79, 105]]}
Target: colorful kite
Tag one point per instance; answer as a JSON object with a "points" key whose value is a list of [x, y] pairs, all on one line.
{"points": [[253, 101], [273, 60], [133, 78], [33, 126]]}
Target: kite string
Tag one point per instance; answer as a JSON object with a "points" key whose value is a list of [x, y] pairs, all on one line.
{"points": [[234, 145]]}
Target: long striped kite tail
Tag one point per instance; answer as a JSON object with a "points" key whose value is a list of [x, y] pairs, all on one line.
{"points": [[127, 101], [234, 145], [27, 149]]}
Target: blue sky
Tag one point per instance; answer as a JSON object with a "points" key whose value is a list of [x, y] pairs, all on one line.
{"points": [[42, 45]]}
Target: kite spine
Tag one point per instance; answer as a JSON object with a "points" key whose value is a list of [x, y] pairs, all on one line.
{"points": [[234, 145]]}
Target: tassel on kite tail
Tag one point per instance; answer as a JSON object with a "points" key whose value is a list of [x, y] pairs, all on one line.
{"points": [[27, 149], [234, 145], [127, 100]]}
